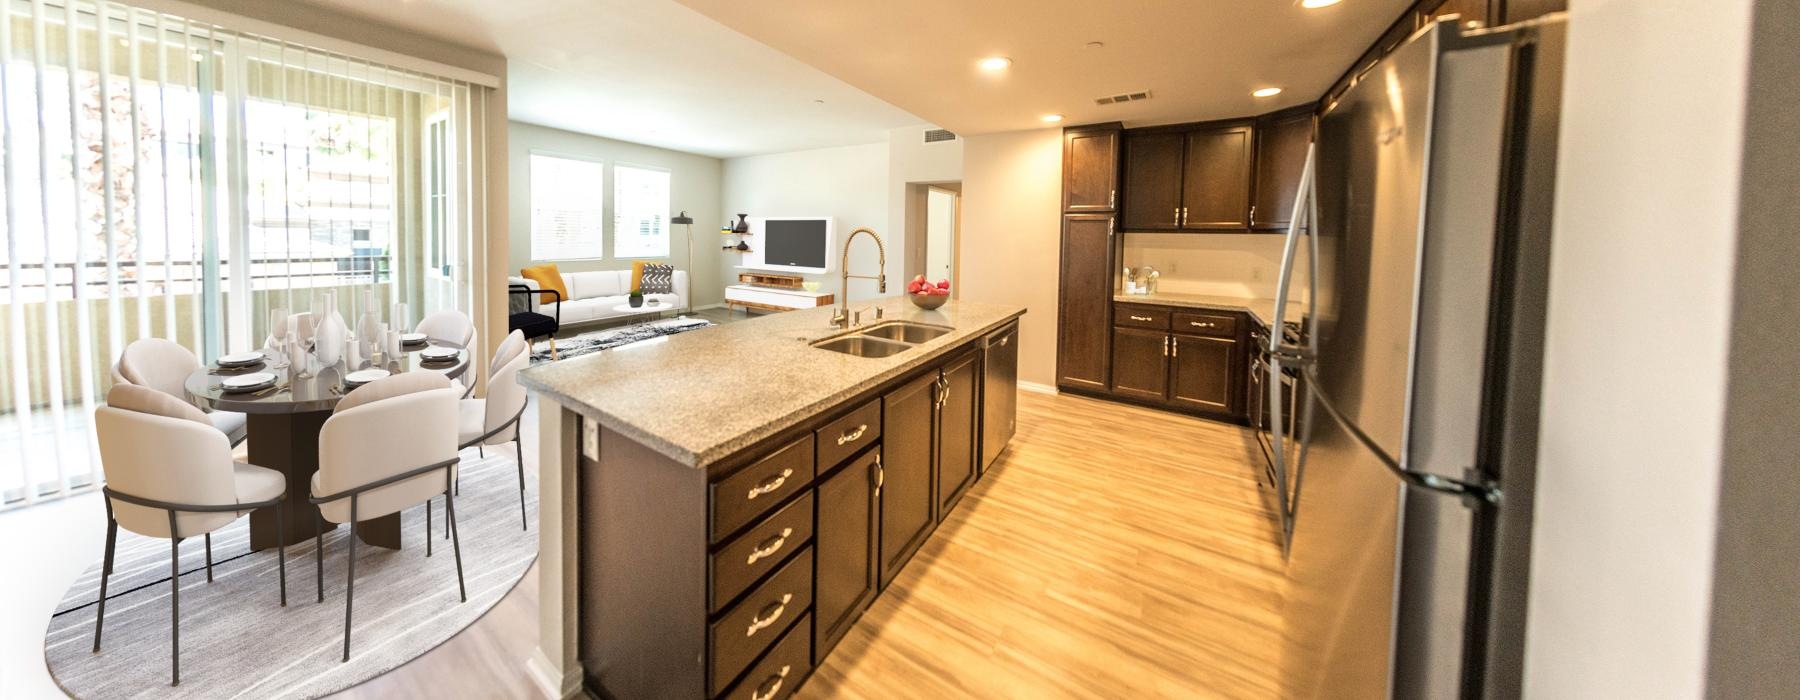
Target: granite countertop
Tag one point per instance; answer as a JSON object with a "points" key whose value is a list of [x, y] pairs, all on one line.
{"points": [[1263, 310], [700, 396]]}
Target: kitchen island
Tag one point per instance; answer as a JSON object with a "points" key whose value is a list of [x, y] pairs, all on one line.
{"points": [[720, 506]]}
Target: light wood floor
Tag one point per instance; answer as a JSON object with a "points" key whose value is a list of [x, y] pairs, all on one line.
{"points": [[1114, 551]]}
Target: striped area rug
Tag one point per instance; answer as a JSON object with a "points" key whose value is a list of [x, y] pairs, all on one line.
{"points": [[236, 640]]}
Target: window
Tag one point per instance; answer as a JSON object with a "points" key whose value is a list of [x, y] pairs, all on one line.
{"points": [[640, 212], [567, 221]]}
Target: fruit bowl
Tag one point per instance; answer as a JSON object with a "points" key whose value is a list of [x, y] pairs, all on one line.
{"points": [[928, 301]]}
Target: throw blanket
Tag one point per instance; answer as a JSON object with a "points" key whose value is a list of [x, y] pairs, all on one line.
{"points": [[613, 337]]}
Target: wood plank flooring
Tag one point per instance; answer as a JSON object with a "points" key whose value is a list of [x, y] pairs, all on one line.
{"points": [[1114, 551]]}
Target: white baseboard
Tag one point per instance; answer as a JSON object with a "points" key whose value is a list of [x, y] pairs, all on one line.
{"points": [[543, 674], [1037, 388]]}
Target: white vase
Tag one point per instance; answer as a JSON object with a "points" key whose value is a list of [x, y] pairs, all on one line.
{"points": [[329, 337]]}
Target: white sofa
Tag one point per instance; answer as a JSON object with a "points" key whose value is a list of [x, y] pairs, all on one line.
{"points": [[592, 295]]}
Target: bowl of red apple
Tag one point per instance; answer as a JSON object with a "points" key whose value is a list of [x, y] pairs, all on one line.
{"points": [[926, 294]]}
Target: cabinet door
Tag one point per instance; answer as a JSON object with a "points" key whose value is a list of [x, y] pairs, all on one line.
{"points": [[1215, 183], [844, 543], [1140, 363], [908, 417], [1205, 373], [1281, 141], [956, 434], [1084, 308], [1521, 10], [1090, 169], [1153, 181]]}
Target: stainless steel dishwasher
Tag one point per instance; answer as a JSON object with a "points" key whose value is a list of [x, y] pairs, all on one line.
{"points": [[1000, 391]]}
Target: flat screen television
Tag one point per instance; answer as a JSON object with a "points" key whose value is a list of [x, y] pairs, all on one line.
{"points": [[790, 244]]}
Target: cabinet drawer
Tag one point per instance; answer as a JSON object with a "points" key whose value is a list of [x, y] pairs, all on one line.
{"points": [[848, 435], [1134, 316], [779, 673], [749, 627], [1218, 325], [758, 550], [738, 499]]}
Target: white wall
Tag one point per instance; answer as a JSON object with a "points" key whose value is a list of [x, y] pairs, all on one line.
{"points": [[693, 186], [912, 161], [1634, 375], [1011, 238], [848, 183]]}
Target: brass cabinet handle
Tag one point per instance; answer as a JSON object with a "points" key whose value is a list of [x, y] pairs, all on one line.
{"points": [[1177, 216], [1112, 198], [771, 685], [770, 485], [1166, 346], [852, 435], [880, 476], [1184, 216], [1004, 340], [1198, 324], [769, 615], [1143, 318], [769, 546], [1174, 346]]}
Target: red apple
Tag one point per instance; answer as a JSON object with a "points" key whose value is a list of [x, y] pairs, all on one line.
{"points": [[943, 284]]}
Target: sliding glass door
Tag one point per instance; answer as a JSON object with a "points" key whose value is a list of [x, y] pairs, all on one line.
{"points": [[172, 179]]}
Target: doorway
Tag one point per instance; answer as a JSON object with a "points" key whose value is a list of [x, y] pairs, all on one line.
{"points": [[934, 222]]}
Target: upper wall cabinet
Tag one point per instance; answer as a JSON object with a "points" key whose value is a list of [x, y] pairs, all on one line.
{"points": [[1189, 178], [1091, 168], [1281, 141]]}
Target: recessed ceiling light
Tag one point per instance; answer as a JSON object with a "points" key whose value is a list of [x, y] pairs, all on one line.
{"points": [[1266, 92], [1316, 4], [1051, 118], [995, 63], [1096, 45]]}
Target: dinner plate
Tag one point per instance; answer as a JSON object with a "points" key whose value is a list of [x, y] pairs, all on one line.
{"points": [[364, 376], [439, 354], [248, 382], [240, 359], [413, 338]]}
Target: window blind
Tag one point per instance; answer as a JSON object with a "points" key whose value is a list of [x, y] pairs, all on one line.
{"points": [[640, 212], [178, 179], [567, 218]]}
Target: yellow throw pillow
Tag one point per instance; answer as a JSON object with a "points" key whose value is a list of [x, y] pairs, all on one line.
{"points": [[546, 277], [637, 276]]}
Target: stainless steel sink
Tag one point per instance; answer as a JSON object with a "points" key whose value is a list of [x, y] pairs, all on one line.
{"points": [[904, 331], [862, 346]]}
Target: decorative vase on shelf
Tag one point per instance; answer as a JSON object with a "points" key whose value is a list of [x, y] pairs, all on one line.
{"points": [[743, 246], [743, 225]]}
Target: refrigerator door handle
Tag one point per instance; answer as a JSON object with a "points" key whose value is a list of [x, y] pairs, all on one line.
{"points": [[1482, 491]]}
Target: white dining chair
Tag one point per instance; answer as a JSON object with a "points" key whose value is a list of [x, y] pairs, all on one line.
{"points": [[365, 473], [169, 474], [454, 327], [494, 419], [164, 365]]}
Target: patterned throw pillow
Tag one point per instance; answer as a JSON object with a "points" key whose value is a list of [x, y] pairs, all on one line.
{"points": [[658, 279]]}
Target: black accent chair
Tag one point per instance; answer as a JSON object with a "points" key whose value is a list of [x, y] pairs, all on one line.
{"points": [[532, 323]]}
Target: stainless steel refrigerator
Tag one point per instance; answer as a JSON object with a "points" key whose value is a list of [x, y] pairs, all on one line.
{"points": [[1420, 261]]}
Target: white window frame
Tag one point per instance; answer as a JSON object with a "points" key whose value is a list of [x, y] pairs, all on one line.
{"points": [[532, 192], [614, 219]]}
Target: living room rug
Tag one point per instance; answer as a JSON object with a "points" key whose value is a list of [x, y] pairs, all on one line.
{"points": [[595, 341], [236, 639]]}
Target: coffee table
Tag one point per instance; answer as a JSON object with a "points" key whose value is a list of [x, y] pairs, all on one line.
{"points": [[650, 308]]}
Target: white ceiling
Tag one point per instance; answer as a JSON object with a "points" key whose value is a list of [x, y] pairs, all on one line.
{"points": [[1199, 58], [648, 71]]}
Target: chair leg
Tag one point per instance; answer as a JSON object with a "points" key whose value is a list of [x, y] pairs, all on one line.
{"points": [[519, 449], [112, 535], [427, 527], [319, 553], [281, 555], [209, 557], [553, 348], [481, 452], [350, 586], [455, 542], [174, 603]]}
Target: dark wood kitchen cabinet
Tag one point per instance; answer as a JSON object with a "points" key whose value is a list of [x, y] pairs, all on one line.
{"points": [[1141, 363], [1190, 177], [845, 549], [1084, 302], [1215, 180], [1091, 167], [1281, 142], [908, 423], [1153, 180], [1204, 373], [957, 446]]}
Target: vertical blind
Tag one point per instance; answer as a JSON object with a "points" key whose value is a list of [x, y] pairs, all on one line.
{"points": [[169, 178]]}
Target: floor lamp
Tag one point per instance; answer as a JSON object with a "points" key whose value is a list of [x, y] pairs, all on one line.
{"points": [[689, 221]]}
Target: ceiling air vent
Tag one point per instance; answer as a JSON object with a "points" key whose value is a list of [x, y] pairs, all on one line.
{"points": [[935, 135], [1126, 97]]}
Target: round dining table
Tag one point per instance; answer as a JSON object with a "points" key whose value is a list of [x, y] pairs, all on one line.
{"points": [[282, 426]]}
